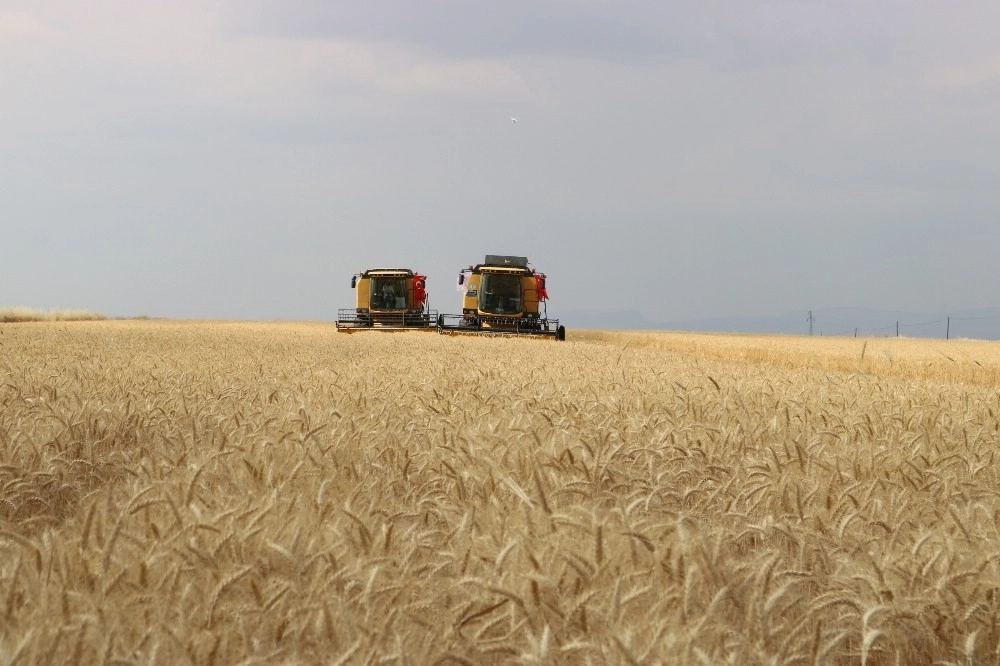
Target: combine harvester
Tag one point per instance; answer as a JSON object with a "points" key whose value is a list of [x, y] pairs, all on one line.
{"points": [[388, 299], [502, 296]]}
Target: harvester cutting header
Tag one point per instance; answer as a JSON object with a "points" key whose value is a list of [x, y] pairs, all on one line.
{"points": [[388, 299], [502, 296]]}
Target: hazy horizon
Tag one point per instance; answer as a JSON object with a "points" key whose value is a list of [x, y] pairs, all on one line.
{"points": [[241, 160]]}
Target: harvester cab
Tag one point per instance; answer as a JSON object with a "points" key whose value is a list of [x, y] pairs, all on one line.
{"points": [[504, 295], [388, 299]]}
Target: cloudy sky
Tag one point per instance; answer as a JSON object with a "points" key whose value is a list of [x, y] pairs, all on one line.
{"points": [[242, 158]]}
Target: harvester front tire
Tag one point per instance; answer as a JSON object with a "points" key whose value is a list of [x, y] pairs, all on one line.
{"points": [[561, 333]]}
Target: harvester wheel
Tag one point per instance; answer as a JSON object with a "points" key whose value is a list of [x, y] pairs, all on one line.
{"points": [[561, 333], [440, 321]]}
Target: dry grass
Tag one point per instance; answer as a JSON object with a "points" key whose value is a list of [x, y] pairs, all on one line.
{"points": [[213, 493], [22, 314]]}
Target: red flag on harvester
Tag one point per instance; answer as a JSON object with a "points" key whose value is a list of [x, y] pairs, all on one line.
{"points": [[419, 294], [540, 287]]}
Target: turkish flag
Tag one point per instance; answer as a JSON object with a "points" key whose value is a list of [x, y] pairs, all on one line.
{"points": [[419, 294], [540, 287]]}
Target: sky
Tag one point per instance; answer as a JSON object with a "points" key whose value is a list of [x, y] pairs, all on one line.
{"points": [[241, 159]]}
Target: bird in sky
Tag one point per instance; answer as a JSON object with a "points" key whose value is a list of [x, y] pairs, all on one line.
{"points": [[513, 120]]}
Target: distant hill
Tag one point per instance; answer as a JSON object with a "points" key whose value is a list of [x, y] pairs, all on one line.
{"points": [[981, 323], [630, 320]]}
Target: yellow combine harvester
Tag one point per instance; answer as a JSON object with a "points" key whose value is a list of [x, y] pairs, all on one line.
{"points": [[388, 299], [502, 296]]}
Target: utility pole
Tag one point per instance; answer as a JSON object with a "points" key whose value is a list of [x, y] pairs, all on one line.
{"points": [[810, 319], [947, 330]]}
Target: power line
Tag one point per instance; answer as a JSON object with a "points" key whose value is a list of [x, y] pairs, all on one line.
{"points": [[924, 323], [996, 316], [845, 329]]}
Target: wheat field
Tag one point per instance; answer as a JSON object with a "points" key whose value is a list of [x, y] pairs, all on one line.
{"points": [[22, 314], [241, 493]]}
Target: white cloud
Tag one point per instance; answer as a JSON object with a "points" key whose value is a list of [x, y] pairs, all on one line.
{"points": [[22, 25], [957, 77], [108, 63]]}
